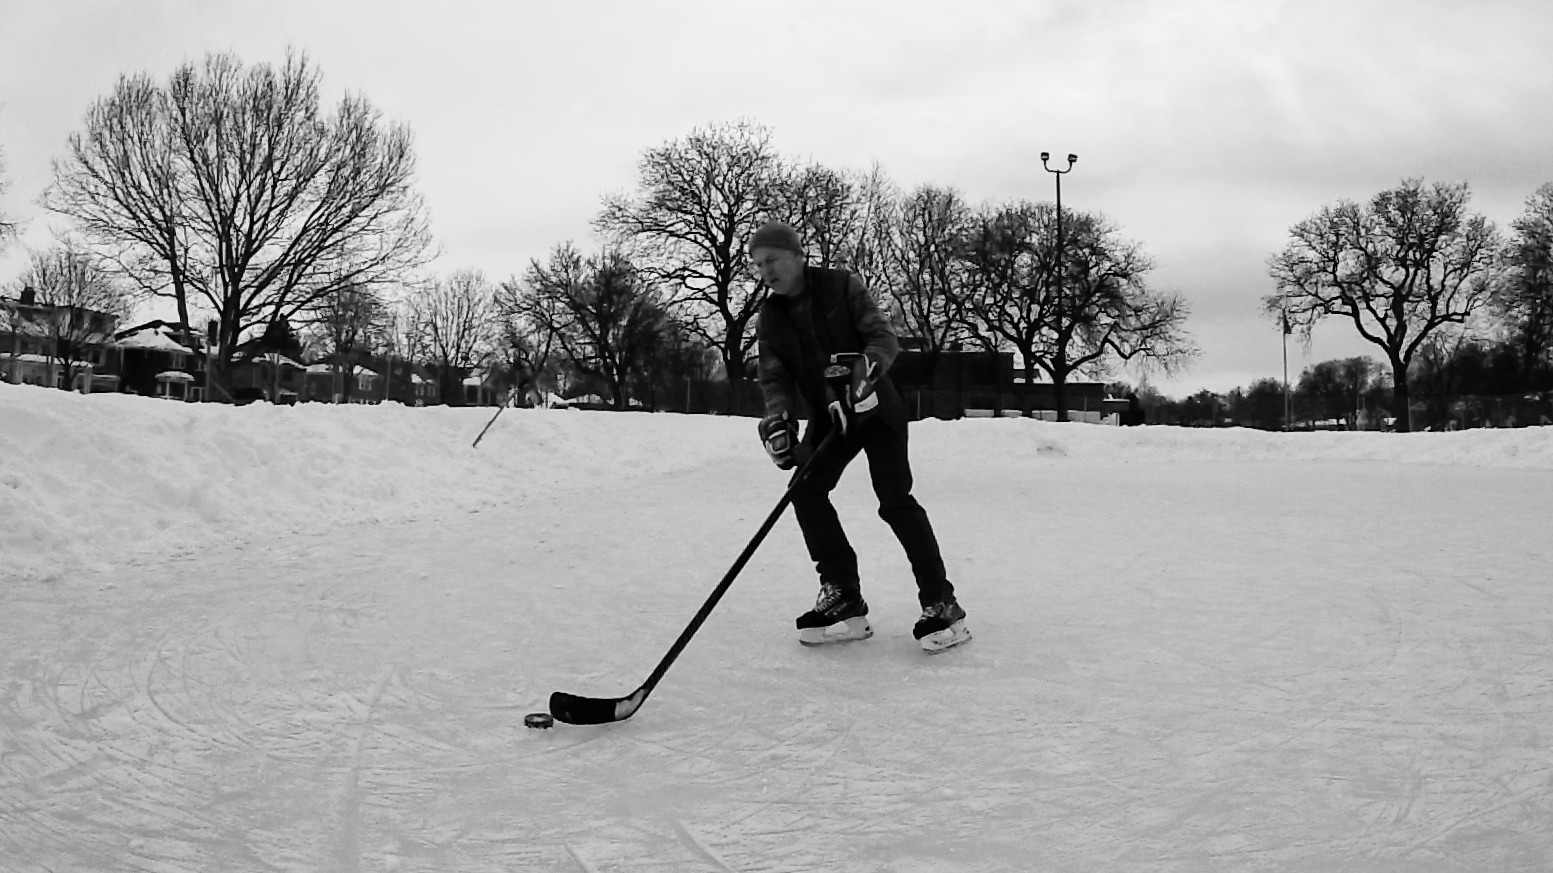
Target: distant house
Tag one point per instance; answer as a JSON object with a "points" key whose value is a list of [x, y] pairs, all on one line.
{"points": [[366, 387], [162, 359], [424, 388], [356, 382], [484, 388], [36, 337], [259, 374], [24, 339], [320, 383]]}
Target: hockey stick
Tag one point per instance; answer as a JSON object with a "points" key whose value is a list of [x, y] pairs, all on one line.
{"points": [[488, 424], [573, 709]]}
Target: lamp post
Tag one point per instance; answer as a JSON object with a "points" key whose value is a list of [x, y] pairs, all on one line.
{"points": [[1288, 401], [1062, 412], [1072, 159]]}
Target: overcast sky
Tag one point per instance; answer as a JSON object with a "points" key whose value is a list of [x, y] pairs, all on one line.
{"points": [[1204, 128]]}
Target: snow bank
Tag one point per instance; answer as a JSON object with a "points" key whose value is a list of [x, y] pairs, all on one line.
{"points": [[1527, 448], [93, 482]]}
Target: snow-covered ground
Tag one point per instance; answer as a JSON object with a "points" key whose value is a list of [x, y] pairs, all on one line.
{"points": [[304, 639]]}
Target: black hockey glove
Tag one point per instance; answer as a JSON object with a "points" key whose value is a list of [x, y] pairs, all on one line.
{"points": [[779, 434], [852, 388]]}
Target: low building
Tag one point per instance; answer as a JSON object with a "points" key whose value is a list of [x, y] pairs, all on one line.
{"points": [[257, 374], [484, 388], [342, 383], [424, 389], [953, 383], [162, 359], [56, 346]]}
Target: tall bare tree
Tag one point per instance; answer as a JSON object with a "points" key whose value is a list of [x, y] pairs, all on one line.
{"points": [[1006, 295], [235, 185], [1106, 311], [698, 199], [1524, 296], [879, 199], [926, 272], [1400, 267], [601, 311], [84, 306], [1078, 312], [453, 325], [825, 206]]}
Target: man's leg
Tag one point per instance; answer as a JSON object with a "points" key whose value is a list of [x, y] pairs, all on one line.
{"points": [[890, 469], [832, 554]]}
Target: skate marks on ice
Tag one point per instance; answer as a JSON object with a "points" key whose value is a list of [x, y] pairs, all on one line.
{"points": [[298, 718], [1245, 685], [1291, 690]]}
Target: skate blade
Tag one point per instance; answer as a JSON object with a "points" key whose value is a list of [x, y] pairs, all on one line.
{"points": [[840, 632], [947, 638]]}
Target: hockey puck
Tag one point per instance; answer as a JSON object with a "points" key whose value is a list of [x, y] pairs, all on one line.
{"points": [[541, 720]]}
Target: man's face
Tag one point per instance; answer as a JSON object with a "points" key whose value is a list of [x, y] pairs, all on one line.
{"points": [[780, 269]]}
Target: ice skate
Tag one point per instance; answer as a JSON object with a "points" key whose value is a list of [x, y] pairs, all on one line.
{"points": [[942, 626], [839, 615]]}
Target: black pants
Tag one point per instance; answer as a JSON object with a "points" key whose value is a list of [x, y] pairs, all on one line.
{"points": [[890, 470]]}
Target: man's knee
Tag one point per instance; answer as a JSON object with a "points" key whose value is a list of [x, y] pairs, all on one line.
{"points": [[900, 507], [809, 494]]}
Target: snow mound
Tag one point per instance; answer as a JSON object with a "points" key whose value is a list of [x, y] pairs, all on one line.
{"points": [[1527, 448], [93, 481]]}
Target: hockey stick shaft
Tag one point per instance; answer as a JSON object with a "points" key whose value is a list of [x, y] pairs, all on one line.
{"points": [[572, 709], [487, 427]]}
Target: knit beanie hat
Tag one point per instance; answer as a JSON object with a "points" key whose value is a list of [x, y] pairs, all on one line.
{"points": [[776, 235]]}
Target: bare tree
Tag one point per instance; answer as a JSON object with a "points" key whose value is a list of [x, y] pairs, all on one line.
{"points": [[1080, 314], [399, 338], [698, 200], [526, 342], [1432, 378], [1005, 295], [677, 364], [925, 268], [453, 322], [1524, 298], [343, 326], [1107, 313], [869, 257], [826, 209], [9, 227], [602, 313], [234, 185], [1336, 388], [84, 305], [1406, 264]]}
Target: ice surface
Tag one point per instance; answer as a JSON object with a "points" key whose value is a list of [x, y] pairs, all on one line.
{"points": [[304, 638]]}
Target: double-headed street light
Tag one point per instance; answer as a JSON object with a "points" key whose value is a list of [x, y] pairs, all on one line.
{"points": [[1062, 413], [1072, 159]]}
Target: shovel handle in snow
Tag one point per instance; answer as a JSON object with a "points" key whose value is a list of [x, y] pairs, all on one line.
{"points": [[573, 709]]}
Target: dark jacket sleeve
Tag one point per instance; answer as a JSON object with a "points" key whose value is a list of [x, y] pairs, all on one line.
{"points": [[777, 386]]}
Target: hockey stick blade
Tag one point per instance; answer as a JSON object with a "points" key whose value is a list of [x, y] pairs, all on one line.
{"points": [[572, 709]]}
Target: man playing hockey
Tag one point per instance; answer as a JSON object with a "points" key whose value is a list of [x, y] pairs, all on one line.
{"points": [[823, 341]]}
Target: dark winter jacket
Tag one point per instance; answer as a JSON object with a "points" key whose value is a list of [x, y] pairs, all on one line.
{"points": [[797, 335]]}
